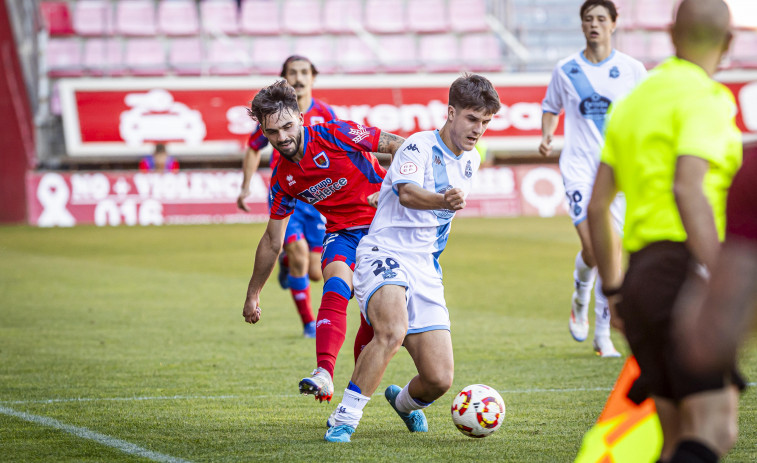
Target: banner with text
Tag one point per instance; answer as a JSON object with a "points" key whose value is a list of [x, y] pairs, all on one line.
{"points": [[201, 197]]}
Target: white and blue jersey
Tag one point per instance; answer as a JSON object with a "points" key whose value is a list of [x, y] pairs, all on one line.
{"points": [[423, 160], [585, 90]]}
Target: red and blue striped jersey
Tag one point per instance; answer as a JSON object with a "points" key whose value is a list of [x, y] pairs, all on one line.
{"points": [[318, 113], [336, 175]]}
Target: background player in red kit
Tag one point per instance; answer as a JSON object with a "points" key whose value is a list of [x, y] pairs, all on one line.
{"points": [[303, 241], [330, 166]]}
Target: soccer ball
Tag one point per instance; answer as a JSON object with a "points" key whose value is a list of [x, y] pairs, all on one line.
{"points": [[478, 410]]}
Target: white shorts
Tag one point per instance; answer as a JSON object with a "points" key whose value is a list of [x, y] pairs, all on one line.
{"points": [[418, 273], [579, 194]]}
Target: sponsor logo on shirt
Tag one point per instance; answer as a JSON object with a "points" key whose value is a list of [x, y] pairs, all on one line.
{"points": [[408, 168], [322, 190], [321, 160], [444, 213], [594, 107]]}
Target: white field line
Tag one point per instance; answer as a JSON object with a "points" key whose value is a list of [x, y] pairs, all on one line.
{"points": [[84, 433]]}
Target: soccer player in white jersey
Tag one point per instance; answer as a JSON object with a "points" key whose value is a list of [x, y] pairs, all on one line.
{"points": [[584, 85], [398, 280]]}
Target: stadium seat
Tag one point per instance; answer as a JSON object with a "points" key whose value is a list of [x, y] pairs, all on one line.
{"points": [[342, 16], [398, 53], [145, 57], [135, 17], [178, 17], [104, 57], [633, 43], [269, 53], [653, 14], [439, 52], [481, 52], [468, 15], [229, 56], [219, 17], [63, 57], [743, 53], [356, 56], [385, 16], [744, 14], [428, 16], [319, 49], [93, 18], [302, 17], [660, 47], [56, 18], [260, 17], [626, 19], [185, 56]]}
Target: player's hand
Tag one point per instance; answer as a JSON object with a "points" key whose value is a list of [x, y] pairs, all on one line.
{"points": [[545, 147], [251, 311], [455, 199], [240, 200], [615, 320], [373, 199]]}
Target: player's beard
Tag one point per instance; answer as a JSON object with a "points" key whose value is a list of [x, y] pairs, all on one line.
{"points": [[291, 150]]}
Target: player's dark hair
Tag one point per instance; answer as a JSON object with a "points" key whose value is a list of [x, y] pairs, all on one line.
{"points": [[294, 58], [276, 98], [472, 91], [589, 4]]}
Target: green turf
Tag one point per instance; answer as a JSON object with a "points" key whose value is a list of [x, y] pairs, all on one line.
{"points": [[144, 327]]}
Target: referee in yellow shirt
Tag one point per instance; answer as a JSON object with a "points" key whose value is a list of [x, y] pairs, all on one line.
{"points": [[672, 146]]}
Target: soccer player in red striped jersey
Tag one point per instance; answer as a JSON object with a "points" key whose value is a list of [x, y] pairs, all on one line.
{"points": [[331, 167], [303, 242]]}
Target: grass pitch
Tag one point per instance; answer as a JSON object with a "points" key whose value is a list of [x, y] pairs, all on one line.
{"points": [[128, 344]]}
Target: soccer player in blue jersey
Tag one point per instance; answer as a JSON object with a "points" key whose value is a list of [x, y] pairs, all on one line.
{"points": [[398, 279], [303, 242], [584, 85]]}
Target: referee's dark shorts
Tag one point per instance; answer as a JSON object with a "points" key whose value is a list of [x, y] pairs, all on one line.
{"points": [[654, 278]]}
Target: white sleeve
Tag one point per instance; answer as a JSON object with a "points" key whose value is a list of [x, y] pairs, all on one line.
{"points": [[409, 165], [553, 99]]}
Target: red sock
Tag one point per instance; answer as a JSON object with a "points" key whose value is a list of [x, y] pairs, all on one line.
{"points": [[302, 301], [330, 329], [285, 261], [363, 337]]}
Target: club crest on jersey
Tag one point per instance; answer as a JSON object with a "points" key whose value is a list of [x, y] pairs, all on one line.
{"points": [[408, 168], [321, 160], [614, 72], [468, 170]]}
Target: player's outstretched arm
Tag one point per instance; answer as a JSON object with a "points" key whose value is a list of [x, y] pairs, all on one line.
{"points": [[249, 167], [389, 143], [265, 258], [414, 197]]}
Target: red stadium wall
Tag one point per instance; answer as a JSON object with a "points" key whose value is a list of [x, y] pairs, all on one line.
{"points": [[17, 139]]}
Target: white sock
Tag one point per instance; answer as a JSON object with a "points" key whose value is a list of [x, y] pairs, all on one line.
{"points": [[584, 278], [407, 404], [602, 311], [350, 410]]}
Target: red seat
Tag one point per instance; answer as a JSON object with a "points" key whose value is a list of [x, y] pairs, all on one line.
{"points": [[145, 57], [660, 47], [260, 17], [229, 56], [483, 52], [744, 14], [56, 18], [398, 53], [468, 15], [302, 17], [355, 56], [178, 17], [439, 53], [342, 16], [104, 57], [219, 16], [319, 49], [743, 53], [653, 14], [135, 17], [428, 16], [185, 56], [63, 57], [385, 16], [269, 53], [93, 18], [634, 43]]}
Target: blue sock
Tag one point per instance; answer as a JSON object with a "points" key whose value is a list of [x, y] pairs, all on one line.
{"points": [[353, 387]]}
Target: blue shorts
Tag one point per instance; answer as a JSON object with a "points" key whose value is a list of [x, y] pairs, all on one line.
{"points": [[308, 224], [341, 246]]}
